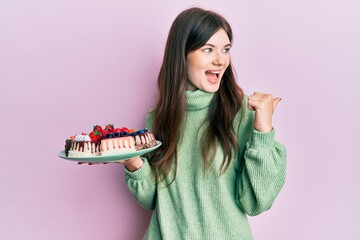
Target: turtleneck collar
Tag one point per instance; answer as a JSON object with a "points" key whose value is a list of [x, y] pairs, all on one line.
{"points": [[198, 99]]}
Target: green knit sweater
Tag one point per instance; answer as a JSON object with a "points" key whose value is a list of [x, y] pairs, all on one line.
{"points": [[211, 206]]}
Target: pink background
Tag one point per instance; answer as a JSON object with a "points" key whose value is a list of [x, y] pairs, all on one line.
{"points": [[66, 65]]}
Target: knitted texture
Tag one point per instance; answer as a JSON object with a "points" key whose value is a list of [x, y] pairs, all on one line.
{"points": [[203, 204]]}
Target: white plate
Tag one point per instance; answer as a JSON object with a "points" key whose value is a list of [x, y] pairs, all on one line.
{"points": [[109, 158]]}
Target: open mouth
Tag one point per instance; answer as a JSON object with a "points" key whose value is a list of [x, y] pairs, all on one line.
{"points": [[212, 76]]}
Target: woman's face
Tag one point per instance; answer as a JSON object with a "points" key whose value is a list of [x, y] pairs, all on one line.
{"points": [[206, 65]]}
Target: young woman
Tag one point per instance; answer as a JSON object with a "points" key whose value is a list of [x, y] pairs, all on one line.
{"points": [[218, 161]]}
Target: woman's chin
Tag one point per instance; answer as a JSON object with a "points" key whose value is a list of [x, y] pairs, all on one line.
{"points": [[210, 89]]}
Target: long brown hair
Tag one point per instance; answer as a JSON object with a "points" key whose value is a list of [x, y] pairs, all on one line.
{"points": [[191, 30]]}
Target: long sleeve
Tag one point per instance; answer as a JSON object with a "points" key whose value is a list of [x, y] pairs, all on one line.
{"points": [[263, 173], [142, 186]]}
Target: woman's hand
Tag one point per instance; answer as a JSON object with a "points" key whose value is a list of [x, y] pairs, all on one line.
{"points": [[131, 164], [264, 106]]}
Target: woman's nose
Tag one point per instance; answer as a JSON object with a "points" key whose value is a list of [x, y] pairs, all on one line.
{"points": [[219, 59]]}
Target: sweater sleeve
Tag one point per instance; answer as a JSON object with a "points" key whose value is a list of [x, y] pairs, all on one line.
{"points": [[262, 174], [141, 183]]}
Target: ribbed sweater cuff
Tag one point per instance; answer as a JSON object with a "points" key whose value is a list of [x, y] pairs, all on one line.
{"points": [[261, 140], [141, 173]]}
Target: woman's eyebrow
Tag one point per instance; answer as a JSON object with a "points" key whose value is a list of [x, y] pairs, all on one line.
{"points": [[212, 45]]}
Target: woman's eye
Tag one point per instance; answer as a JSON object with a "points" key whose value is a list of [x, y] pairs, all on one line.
{"points": [[207, 50], [226, 50]]}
